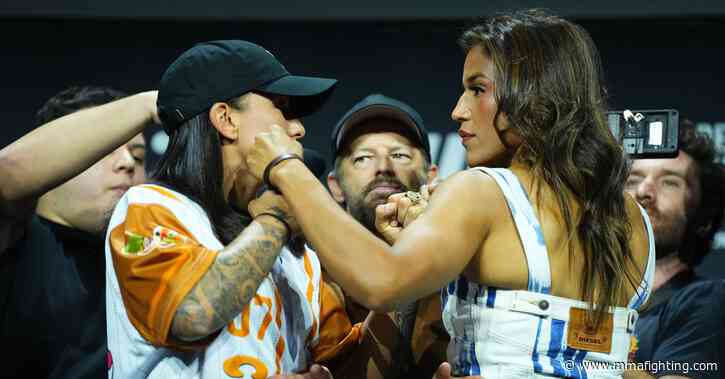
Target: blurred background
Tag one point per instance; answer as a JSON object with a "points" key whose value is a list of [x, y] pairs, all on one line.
{"points": [[664, 54]]}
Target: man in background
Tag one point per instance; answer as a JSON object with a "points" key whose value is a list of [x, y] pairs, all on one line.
{"points": [[380, 147], [74, 168], [684, 320]]}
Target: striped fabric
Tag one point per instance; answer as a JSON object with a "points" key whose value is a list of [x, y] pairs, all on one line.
{"points": [[500, 333]]}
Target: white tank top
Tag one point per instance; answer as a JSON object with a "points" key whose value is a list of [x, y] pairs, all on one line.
{"points": [[501, 333]]}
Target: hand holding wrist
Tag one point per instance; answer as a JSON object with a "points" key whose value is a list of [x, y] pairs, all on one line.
{"points": [[278, 220], [268, 178], [274, 206]]}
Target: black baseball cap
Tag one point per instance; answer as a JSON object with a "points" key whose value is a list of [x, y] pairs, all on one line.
{"points": [[217, 71], [380, 106]]}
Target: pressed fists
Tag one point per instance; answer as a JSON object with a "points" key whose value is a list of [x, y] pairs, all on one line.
{"points": [[400, 210], [390, 218]]}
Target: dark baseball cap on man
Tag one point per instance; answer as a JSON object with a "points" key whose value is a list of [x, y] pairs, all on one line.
{"points": [[381, 106], [217, 71]]}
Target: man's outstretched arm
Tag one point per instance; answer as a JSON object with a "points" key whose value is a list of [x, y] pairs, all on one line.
{"points": [[61, 149]]}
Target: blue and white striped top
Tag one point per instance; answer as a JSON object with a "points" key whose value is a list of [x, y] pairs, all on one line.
{"points": [[501, 333]]}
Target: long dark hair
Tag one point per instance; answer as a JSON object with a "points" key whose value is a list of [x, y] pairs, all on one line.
{"points": [[192, 165], [549, 85]]}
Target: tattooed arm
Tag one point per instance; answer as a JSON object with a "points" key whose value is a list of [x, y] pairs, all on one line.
{"points": [[231, 282]]}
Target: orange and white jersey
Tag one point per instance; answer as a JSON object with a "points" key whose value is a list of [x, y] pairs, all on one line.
{"points": [[159, 245]]}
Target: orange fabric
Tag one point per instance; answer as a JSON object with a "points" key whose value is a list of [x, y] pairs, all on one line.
{"points": [[278, 306], [308, 271], [310, 291], [232, 365], [373, 358], [261, 300], [161, 190], [243, 330], [155, 280], [278, 353], [337, 334]]}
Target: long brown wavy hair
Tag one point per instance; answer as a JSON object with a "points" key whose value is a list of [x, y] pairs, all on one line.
{"points": [[549, 84]]}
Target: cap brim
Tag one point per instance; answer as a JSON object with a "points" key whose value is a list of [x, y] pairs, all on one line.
{"points": [[307, 94], [374, 111], [384, 111]]}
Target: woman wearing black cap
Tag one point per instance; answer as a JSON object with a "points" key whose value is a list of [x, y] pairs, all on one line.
{"points": [[542, 259], [196, 289]]}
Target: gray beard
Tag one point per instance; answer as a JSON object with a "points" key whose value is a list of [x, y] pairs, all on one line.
{"points": [[365, 213]]}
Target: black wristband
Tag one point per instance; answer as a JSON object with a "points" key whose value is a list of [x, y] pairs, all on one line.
{"points": [[276, 161], [280, 219]]}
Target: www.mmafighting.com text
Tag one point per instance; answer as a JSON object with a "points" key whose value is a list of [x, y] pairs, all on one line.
{"points": [[648, 366]]}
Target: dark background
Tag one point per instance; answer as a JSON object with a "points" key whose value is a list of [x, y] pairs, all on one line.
{"points": [[668, 56], [348, 10]]}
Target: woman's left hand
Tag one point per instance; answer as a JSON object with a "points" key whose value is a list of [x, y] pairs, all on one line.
{"points": [[386, 221], [268, 146], [400, 210]]}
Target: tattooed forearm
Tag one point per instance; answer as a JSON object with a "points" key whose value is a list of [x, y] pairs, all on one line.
{"points": [[231, 282]]}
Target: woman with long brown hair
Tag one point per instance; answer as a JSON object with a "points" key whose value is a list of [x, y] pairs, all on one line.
{"points": [[543, 258]]}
